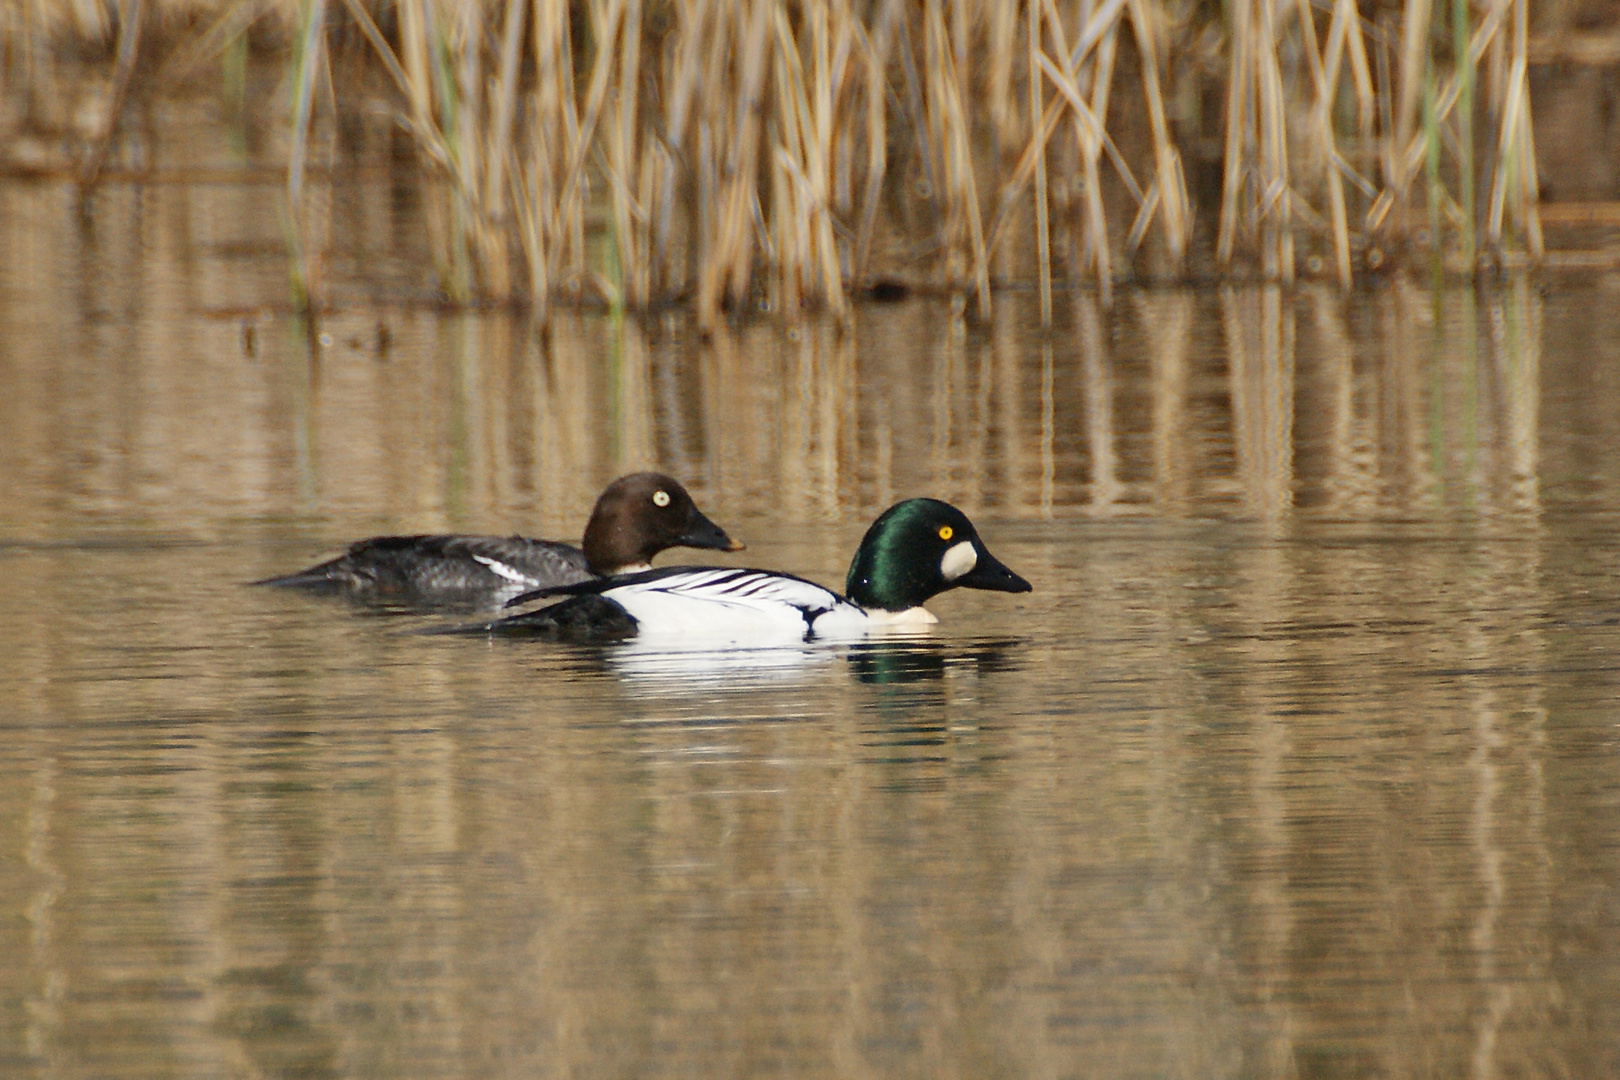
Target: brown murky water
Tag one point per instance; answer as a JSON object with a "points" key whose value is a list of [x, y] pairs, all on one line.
{"points": [[1301, 760]]}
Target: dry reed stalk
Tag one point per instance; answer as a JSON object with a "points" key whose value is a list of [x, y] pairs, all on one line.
{"points": [[792, 197], [1450, 90], [1345, 39], [1515, 175], [1238, 94], [309, 66], [1441, 101], [568, 208], [1398, 167], [1324, 73], [1013, 187], [1465, 73], [1259, 164], [961, 17], [230, 24], [499, 153], [628, 215], [786, 236], [962, 198], [1275, 209], [646, 191], [464, 60], [1528, 204], [553, 229], [782, 247], [1175, 209], [813, 113], [1431, 130], [431, 91], [1089, 126], [1002, 52], [682, 89], [874, 51], [415, 16], [429, 140], [130, 17], [1043, 239], [1096, 235], [787, 244], [713, 126], [1089, 140], [1098, 33], [1350, 38], [728, 260], [474, 244], [830, 47]]}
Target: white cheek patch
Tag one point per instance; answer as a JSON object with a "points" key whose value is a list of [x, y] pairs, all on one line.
{"points": [[958, 560]]}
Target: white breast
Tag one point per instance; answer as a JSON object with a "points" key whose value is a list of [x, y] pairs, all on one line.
{"points": [[847, 620]]}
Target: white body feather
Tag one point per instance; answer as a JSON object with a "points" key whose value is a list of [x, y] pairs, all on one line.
{"points": [[750, 607]]}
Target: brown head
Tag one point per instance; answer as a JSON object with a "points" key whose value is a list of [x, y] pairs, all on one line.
{"points": [[642, 514]]}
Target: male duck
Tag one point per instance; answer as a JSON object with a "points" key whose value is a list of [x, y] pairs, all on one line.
{"points": [[634, 519], [917, 549]]}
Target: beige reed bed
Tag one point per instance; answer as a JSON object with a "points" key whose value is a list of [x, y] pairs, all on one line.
{"points": [[787, 155]]}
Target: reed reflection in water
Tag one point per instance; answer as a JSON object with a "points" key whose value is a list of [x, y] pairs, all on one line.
{"points": [[1299, 761]]}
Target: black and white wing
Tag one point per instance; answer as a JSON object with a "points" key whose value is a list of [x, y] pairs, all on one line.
{"points": [[716, 603], [725, 603]]}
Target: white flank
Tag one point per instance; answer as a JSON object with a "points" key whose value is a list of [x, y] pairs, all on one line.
{"points": [[958, 560], [726, 605], [752, 609], [501, 569]]}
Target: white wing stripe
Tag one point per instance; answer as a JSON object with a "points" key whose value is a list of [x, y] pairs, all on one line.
{"points": [[503, 570]]}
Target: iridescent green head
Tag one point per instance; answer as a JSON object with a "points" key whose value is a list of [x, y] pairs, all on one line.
{"points": [[918, 549]]}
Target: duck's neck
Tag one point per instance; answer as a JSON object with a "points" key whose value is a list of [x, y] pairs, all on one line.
{"points": [[611, 546], [879, 584]]}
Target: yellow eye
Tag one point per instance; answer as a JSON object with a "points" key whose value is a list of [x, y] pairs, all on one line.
{"points": [[660, 498], [946, 532]]}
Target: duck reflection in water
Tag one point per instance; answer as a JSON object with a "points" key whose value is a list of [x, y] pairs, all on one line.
{"points": [[903, 661], [899, 662]]}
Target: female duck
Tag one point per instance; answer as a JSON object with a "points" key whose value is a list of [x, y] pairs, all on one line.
{"points": [[917, 549], [634, 519]]}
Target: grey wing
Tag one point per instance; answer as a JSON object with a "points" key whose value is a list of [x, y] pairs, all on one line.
{"points": [[521, 563], [450, 568]]}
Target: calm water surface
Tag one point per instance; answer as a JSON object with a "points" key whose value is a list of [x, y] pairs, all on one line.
{"points": [[1301, 760]]}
